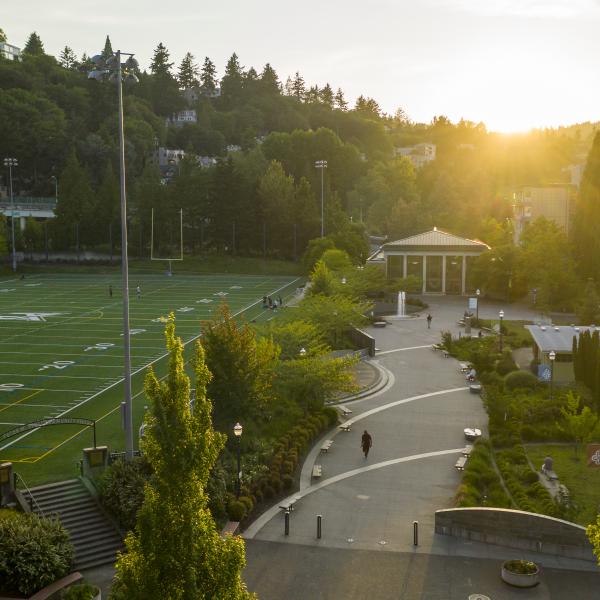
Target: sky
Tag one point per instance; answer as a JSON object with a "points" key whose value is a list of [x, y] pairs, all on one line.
{"points": [[513, 64]]}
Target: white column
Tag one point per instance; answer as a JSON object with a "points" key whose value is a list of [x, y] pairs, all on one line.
{"points": [[424, 273], [405, 266], [444, 274], [464, 274]]}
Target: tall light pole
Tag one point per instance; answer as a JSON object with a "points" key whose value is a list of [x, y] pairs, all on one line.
{"points": [[501, 315], [552, 357], [54, 180], [10, 163], [322, 164], [237, 431], [111, 68]]}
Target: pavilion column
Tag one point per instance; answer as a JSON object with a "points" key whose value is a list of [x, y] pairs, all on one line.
{"points": [[424, 272], [444, 274], [405, 266], [464, 275]]}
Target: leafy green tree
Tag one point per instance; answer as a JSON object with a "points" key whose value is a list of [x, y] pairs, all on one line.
{"points": [[578, 424], [269, 80], [336, 260], [34, 45], [176, 551], [321, 279], [67, 58], [2, 36], [368, 107], [32, 235], [242, 368], [292, 336], [315, 250], [188, 72], [160, 64], [588, 308], [312, 95], [208, 76], [593, 533], [107, 208]]}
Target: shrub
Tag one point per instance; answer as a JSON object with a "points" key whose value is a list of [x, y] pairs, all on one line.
{"points": [[331, 414], [34, 552], [121, 490], [287, 467], [506, 365], [247, 502], [276, 484], [80, 592], [520, 380], [287, 481], [268, 492], [236, 510]]}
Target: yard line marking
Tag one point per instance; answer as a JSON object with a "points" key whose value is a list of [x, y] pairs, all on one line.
{"points": [[3, 423], [403, 349], [36, 405], [21, 400], [192, 339]]}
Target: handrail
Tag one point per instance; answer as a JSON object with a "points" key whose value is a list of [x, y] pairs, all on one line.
{"points": [[32, 500]]}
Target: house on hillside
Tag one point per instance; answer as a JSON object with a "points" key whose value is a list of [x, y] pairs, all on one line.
{"points": [[183, 117], [419, 155], [9, 51]]}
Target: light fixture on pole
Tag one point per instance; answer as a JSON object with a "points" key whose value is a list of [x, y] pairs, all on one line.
{"points": [[552, 357], [54, 180], [478, 291], [322, 164], [501, 315], [111, 68], [302, 352], [237, 431], [10, 163]]}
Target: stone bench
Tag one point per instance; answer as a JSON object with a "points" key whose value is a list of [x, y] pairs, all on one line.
{"points": [[345, 411], [326, 445], [345, 426], [317, 471], [289, 505], [460, 463], [379, 323], [466, 451]]}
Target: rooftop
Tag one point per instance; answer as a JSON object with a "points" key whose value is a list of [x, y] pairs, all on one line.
{"points": [[437, 237], [557, 337]]}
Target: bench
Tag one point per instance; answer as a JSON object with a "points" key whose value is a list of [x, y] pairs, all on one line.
{"points": [[326, 445], [61, 584], [466, 451], [472, 434], [317, 471], [345, 426], [289, 505], [460, 463], [435, 347], [464, 367], [460, 322], [231, 528], [379, 323], [345, 411]]}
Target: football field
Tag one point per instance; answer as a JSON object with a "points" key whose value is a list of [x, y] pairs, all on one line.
{"points": [[61, 348]]}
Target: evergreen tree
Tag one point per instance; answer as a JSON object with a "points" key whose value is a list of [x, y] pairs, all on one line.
{"points": [[67, 58], [34, 45], [107, 51], [2, 36], [176, 551], [367, 106], [188, 72], [313, 95], [340, 102], [269, 80], [208, 76], [326, 96], [160, 64], [288, 88], [232, 82], [298, 87]]}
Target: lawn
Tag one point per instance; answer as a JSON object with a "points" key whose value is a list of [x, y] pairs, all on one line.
{"points": [[582, 481], [61, 352]]}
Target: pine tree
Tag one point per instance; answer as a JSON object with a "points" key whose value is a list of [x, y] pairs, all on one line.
{"points": [[67, 58], [232, 82], [160, 64], [107, 51], [176, 551], [298, 87], [34, 45], [288, 88], [2, 36], [367, 106], [269, 80], [208, 76], [340, 102], [188, 72], [313, 95], [326, 96]]}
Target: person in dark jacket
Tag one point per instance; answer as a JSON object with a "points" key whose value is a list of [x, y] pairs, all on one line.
{"points": [[366, 442]]}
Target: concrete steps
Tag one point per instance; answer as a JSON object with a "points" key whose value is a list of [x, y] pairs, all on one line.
{"points": [[95, 539]]}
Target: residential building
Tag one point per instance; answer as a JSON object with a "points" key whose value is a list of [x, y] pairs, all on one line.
{"points": [[167, 157], [575, 173], [419, 155], [9, 51], [183, 117], [553, 202], [192, 95]]}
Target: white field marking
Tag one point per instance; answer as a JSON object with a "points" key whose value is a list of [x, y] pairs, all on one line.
{"points": [[61, 391], [32, 284], [139, 370], [185, 309], [54, 376], [235, 287], [10, 387], [268, 515], [16, 424], [373, 411], [100, 346], [134, 332], [222, 294], [204, 301], [6, 290], [403, 349], [61, 406], [160, 320], [57, 364]]}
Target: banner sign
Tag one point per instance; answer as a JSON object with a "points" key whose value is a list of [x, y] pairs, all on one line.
{"points": [[544, 372], [472, 303], [593, 454]]}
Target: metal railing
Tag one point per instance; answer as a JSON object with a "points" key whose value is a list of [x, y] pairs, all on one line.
{"points": [[31, 499]]}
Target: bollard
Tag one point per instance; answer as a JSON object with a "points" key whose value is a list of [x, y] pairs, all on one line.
{"points": [[287, 522], [319, 522], [415, 533]]}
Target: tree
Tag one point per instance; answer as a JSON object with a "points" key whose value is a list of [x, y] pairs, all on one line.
{"points": [[367, 106], [176, 551], [232, 82], [578, 424], [2, 36], [188, 72], [326, 95], [322, 280], [340, 102], [588, 308], [107, 51], [208, 77], [160, 64], [242, 368], [315, 250], [34, 45], [337, 260], [593, 533], [269, 80], [298, 87], [67, 58]]}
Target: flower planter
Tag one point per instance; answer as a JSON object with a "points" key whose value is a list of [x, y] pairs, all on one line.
{"points": [[520, 573]]}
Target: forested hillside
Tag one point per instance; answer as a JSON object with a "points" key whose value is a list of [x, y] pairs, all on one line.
{"points": [[265, 130]]}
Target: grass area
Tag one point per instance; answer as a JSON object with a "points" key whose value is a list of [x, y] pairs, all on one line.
{"points": [[516, 335], [582, 481], [61, 352]]}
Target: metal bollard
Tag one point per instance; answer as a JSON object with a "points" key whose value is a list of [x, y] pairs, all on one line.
{"points": [[415, 533], [319, 523], [287, 522]]}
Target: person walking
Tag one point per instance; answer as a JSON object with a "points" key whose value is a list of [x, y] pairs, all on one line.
{"points": [[366, 442], [138, 291], [110, 291], [429, 317]]}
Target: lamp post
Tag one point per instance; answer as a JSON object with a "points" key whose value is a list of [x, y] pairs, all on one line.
{"points": [[552, 357], [322, 164], [112, 69], [54, 180], [501, 315], [477, 292], [10, 163], [237, 431]]}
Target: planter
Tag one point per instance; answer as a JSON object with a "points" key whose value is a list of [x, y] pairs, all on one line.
{"points": [[520, 573]]}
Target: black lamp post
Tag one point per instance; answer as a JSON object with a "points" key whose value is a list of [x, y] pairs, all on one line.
{"points": [[237, 431], [501, 315], [478, 291], [552, 357]]}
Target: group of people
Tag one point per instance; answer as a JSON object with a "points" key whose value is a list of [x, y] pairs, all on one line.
{"points": [[138, 291], [271, 303]]}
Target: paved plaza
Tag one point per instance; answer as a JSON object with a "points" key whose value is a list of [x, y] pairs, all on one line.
{"points": [[368, 506]]}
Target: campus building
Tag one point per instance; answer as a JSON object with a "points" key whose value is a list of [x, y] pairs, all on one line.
{"points": [[9, 51], [439, 259]]}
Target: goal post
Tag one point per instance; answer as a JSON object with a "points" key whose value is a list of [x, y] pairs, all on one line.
{"points": [[169, 259]]}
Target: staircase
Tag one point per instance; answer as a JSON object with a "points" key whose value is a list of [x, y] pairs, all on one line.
{"points": [[95, 539]]}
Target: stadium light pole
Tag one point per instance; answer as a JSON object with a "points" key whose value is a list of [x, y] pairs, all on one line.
{"points": [[10, 163], [322, 164], [110, 67]]}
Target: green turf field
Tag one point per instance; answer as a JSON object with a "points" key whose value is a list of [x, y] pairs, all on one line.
{"points": [[61, 352]]}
